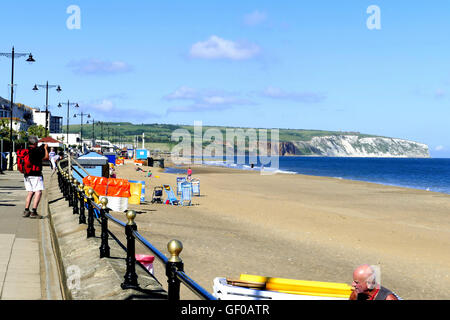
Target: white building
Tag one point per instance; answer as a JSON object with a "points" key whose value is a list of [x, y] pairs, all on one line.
{"points": [[54, 123], [22, 114], [74, 138], [25, 116]]}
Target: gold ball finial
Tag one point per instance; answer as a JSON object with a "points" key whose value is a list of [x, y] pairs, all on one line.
{"points": [[104, 203], [90, 193], [131, 215], [174, 247], [81, 186]]}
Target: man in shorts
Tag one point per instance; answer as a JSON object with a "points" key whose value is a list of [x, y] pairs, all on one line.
{"points": [[34, 181]]}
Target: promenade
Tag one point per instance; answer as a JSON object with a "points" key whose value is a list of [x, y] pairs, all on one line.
{"points": [[27, 266]]}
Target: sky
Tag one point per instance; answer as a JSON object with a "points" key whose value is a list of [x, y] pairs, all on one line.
{"points": [[375, 67]]}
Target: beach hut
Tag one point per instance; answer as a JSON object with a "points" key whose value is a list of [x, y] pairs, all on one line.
{"points": [[141, 154], [95, 164], [111, 157]]}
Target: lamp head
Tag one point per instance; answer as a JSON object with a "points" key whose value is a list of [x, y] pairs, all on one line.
{"points": [[30, 58]]}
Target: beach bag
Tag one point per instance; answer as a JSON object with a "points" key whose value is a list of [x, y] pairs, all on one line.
{"points": [[24, 163]]}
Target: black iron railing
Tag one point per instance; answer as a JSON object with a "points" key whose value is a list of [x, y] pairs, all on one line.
{"points": [[81, 200]]}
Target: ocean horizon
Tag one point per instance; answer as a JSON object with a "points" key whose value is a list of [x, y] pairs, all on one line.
{"points": [[430, 174]]}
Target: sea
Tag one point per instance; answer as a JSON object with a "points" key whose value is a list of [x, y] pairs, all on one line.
{"points": [[431, 174]]}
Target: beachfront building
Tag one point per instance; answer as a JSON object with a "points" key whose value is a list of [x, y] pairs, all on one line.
{"points": [[25, 116], [22, 114], [54, 123]]}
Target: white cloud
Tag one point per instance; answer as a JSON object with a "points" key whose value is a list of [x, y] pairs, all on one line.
{"points": [[218, 48], [439, 148], [103, 106], [205, 100], [307, 97], [255, 18], [439, 94], [99, 67], [108, 110]]}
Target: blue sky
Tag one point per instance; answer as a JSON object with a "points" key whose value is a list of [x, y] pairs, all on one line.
{"points": [[283, 64]]}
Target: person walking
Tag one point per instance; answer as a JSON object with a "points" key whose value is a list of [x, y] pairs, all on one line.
{"points": [[33, 179], [51, 155]]}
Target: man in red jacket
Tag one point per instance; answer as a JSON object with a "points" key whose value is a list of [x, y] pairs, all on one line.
{"points": [[34, 181]]}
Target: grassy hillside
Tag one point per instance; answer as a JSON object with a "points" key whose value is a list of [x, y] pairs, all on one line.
{"points": [[160, 134]]}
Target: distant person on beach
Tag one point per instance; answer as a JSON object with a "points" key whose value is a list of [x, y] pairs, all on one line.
{"points": [[34, 181], [189, 174], [366, 286]]}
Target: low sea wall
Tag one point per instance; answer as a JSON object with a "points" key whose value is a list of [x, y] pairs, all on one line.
{"points": [[83, 274]]}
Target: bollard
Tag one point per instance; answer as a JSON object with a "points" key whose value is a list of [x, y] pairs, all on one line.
{"points": [[82, 218], [104, 247], [90, 228], [75, 197], [173, 265], [130, 275]]}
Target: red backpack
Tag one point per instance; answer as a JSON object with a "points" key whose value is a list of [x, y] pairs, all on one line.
{"points": [[23, 162]]}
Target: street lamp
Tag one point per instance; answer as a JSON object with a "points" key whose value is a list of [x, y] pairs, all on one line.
{"points": [[68, 105], [81, 134], [93, 131], [46, 86], [99, 123], [13, 55]]}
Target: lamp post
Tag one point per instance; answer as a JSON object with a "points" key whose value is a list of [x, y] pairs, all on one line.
{"points": [[46, 87], [13, 55], [81, 134], [68, 105], [93, 131], [99, 123]]}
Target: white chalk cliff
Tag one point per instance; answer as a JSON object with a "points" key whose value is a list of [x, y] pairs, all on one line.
{"points": [[354, 146]]}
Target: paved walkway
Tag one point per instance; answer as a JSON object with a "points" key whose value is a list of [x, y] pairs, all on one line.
{"points": [[24, 245]]}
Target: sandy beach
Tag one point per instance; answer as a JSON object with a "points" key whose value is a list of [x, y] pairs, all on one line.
{"points": [[301, 227]]}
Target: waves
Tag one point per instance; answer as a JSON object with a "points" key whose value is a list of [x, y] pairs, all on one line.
{"points": [[425, 174]]}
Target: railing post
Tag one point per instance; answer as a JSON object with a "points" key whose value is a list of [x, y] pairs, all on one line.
{"points": [[90, 228], [104, 247], [173, 265], [82, 218], [130, 275], [70, 191], [75, 196], [59, 180], [64, 184]]}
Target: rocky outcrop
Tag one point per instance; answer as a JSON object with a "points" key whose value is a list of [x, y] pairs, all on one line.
{"points": [[355, 146]]}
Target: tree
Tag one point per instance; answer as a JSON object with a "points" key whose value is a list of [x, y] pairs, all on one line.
{"points": [[38, 131]]}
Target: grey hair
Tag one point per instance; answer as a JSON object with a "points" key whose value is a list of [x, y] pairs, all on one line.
{"points": [[374, 278], [32, 140]]}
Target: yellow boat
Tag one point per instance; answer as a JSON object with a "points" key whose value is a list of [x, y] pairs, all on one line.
{"points": [[301, 287]]}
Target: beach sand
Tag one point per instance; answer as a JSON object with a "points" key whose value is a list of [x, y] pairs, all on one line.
{"points": [[300, 227]]}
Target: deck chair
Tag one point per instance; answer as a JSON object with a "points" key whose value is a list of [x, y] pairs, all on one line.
{"points": [[186, 194], [196, 187], [170, 195], [180, 180]]}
